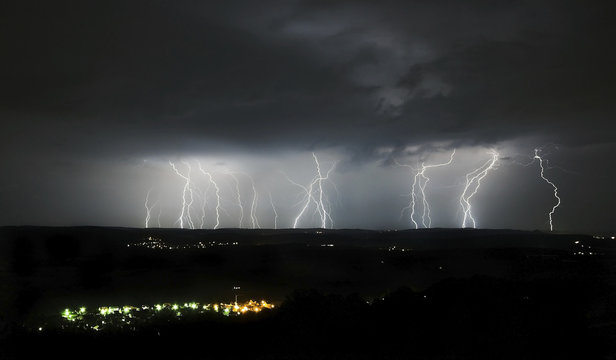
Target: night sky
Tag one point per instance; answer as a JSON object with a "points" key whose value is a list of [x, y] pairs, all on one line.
{"points": [[97, 97]]}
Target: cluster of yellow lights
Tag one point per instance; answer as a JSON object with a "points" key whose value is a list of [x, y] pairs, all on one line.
{"points": [[125, 313], [159, 244]]}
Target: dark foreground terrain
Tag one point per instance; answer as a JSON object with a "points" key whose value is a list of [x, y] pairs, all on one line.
{"points": [[343, 294]]}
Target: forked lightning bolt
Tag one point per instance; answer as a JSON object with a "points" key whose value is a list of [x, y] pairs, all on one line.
{"points": [[148, 209], [185, 219], [211, 180], [537, 157], [253, 206], [185, 212], [473, 182], [238, 197], [307, 198], [158, 217], [320, 200], [191, 197], [420, 181], [321, 206], [203, 195], [275, 212]]}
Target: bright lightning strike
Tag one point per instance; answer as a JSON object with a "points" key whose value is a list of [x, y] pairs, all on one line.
{"points": [[275, 212], [211, 179], [323, 211], [253, 206], [158, 217], [420, 181], [473, 182], [203, 195], [307, 198], [192, 198], [320, 200], [148, 209], [238, 198], [186, 189], [537, 157]]}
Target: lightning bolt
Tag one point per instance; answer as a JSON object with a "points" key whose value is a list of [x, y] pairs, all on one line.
{"points": [[275, 212], [473, 181], [411, 195], [307, 198], [191, 197], [203, 195], [211, 179], [185, 212], [537, 157], [321, 204], [238, 197], [253, 206], [420, 181], [148, 209]]}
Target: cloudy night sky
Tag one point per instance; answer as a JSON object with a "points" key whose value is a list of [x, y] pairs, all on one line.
{"points": [[98, 97]]}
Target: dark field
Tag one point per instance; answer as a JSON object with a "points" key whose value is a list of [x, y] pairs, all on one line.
{"points": [[437, 294]]}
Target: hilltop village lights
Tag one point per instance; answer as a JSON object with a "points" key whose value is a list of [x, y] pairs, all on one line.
{"points": [[128, 316]]}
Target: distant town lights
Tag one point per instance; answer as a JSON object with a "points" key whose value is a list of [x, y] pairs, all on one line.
{"points": [[129, 316]]}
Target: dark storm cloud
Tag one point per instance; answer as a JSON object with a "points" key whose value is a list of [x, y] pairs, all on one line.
{"points": [[97, 96], [306, 74]]}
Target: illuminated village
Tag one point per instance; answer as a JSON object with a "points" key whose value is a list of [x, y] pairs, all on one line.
{"points": [[132, 317], [154, 243]]}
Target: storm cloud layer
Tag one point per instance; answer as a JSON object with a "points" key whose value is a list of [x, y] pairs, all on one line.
{"points": [[90, 89]]}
